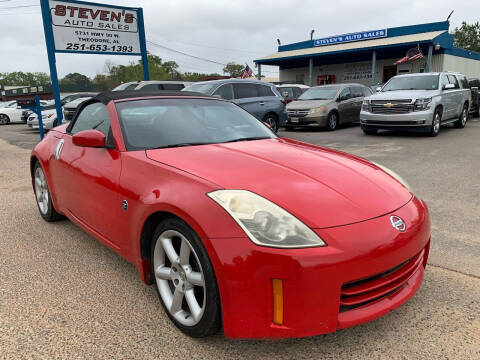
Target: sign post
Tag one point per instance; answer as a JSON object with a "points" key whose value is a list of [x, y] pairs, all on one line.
{"points": [[72, 26]]}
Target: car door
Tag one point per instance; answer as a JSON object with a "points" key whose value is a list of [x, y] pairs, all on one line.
{"points": [[457, 96], [15, 112], [448, 99], [357, 99], [246, 95], [345, 105], [90, 176], [269, 102]]}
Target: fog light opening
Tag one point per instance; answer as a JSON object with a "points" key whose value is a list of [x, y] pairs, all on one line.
{"points": [[277, 285]]}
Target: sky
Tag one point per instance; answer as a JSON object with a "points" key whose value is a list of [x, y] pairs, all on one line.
{"points": [[220, 30]]}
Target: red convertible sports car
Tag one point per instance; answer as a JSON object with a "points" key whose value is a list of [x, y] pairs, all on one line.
{"points": [[237, 228]]}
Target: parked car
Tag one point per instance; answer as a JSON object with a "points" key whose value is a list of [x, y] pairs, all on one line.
{"points": [[11, 112], [239, 230], [126, 86], [70, 108], [475, 88], [161, 85], [259, 98], [327, 106], [49, 119], [72, 97], [291, 92], [418, 102]]}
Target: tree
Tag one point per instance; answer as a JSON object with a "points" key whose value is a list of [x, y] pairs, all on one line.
{"points": [[468, 36], [76, 79], [234, 70], [24, 79]]}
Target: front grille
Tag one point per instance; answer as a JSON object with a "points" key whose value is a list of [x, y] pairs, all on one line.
{"points": [[396, 102], [366, 291], [297, 113], [395, 109]]}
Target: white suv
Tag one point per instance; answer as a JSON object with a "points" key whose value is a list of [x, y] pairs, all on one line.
{"points": [[418, 102]]}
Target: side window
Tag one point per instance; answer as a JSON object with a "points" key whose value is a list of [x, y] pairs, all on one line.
{"points": [[225, 91], [345, 94], [356, 92], [453, 80], [245, 90], [93, 116], [288, 90], [173, 86], [149, 87], [297, 92], [464, 82], [444, 81], [264, 90]]}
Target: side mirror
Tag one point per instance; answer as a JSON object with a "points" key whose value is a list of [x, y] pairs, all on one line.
{"points": [[378, 89], [449, 86], [89, 138]]}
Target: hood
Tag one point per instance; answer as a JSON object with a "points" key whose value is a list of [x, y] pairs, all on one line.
{"points": [[322, 187], [307, 104], [403, 94]]}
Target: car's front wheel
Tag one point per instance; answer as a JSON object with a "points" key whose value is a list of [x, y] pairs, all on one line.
{"points": [[436, 122], [4, 119], [332, 121], [42, 195], [185, 279], [462, 121]]}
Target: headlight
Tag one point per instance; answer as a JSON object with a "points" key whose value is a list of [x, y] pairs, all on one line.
{"points": [[395, 176], [320, 109], [423, 104], [366, 105], [265, 223]]}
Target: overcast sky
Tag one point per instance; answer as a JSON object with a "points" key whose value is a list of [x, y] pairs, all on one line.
{"points": [[221, 30]]}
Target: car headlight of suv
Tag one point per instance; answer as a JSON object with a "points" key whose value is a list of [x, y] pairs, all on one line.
{"points": [[265, 223], [316, 110], [423, 104], [395, 176], [366, 105]]}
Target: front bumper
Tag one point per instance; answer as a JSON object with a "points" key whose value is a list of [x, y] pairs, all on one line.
{"points": [[307, 120], [313, 278], [411, 120]]}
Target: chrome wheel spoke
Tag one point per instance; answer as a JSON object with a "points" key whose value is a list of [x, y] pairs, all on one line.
{"points": [[163, 273], [169, 249], [195, 278], [177, 300], [184, 253], [192, 303]]}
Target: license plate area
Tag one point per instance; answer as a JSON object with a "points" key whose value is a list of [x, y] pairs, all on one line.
{"points": [[294, 120]]}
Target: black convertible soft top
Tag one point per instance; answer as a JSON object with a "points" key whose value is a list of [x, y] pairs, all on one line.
{"points": [[108, 96]]}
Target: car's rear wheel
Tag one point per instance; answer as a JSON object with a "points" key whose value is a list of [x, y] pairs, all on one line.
{"points": [[272, 121], [437, 119], [43, 197], [462, 121], [184, 279], [4, 119], [332, 121]]}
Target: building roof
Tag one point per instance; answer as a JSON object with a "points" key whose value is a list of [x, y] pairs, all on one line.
{"points": [[394, 43]]}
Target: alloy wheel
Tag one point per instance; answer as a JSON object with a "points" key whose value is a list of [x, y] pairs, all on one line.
{"points": [[436, 123], [179, 277], [3, 120], [464, 116], [41, 190], [332, 121], [270, 120]]}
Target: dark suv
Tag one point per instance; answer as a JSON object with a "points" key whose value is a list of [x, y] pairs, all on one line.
{"points": [[259, 98]]}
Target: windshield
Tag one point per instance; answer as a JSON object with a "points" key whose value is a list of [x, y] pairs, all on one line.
{"points": [[320, 93], [425, 82], [162, 123], [203, 88]]}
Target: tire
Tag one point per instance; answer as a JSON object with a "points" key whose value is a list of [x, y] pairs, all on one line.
{"points": [[43, 197], [4, 119], [289, 127], [436, 123], [272, 121], [186, 285], [370, 131], [332, 121], [462, 121]]}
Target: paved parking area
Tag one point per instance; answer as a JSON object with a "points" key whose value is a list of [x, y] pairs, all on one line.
{"points": [[63, 295]]}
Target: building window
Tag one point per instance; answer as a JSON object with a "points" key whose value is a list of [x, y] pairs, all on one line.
{"points": [[300, 78]]}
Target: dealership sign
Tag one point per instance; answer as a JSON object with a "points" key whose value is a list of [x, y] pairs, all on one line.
{"points": [[338, 39], [93, 28]]}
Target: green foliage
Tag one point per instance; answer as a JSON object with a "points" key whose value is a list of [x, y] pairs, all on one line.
{"points": [[234, 70], [76, 79], [24, 79], [468, 36]]}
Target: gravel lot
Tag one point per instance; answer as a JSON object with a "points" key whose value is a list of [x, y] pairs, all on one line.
{"points": [[65, 296]]}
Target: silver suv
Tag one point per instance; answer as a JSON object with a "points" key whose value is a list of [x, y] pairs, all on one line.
{"points": [[418, 102]]}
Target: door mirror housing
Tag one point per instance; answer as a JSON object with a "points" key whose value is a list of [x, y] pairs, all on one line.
{"points": [[89, 138], [449, 87]]}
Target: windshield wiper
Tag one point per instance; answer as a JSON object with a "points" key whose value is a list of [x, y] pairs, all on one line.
{"points": [[181, 145], [248, 139]]}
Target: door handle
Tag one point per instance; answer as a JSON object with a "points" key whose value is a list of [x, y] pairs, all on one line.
{"points": [[58, 149], [262, 103]]}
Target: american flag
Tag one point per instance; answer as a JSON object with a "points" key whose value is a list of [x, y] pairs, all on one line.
{"points": [[247, 72], [412, 54]]}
